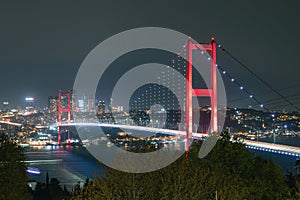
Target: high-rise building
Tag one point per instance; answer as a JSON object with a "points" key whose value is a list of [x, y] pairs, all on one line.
{"points": [[117, 109], [101, 108], [91, 105], [5, 106], [52, 104], [111, 105], [82, 104], [29, 103]]}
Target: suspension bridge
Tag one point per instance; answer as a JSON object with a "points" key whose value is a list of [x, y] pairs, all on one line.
{"points": [[156, 94]]}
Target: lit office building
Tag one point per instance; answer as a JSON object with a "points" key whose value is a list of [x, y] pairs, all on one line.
{"points": [[101, 107], [52, 104]]}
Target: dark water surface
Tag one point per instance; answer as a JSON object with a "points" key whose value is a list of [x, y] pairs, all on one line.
{"points": [[75, 164], [68, 165]]}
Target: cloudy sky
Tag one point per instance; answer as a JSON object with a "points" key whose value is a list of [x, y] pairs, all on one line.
{"points": [[43, 43]]}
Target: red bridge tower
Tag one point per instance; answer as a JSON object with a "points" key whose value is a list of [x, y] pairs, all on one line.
{"points": [[63, 96], [210, 92]]}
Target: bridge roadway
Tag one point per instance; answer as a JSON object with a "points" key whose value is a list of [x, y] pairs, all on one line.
{"points": [[138, 128], [262, 146], [10, 123], [273, 148], [255, 145]]}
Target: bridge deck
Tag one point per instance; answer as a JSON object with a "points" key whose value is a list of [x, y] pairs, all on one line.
{"points": [[271, 147], [275, 148]]}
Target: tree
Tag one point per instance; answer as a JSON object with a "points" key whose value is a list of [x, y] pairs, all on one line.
{"points": [[13, 177], [230, 170], [50, 190]]}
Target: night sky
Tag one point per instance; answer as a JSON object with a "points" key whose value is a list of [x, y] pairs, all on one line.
{"points": [[43, 43]]}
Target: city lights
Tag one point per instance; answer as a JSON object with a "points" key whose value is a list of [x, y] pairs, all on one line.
{"points": [[29, 99]]}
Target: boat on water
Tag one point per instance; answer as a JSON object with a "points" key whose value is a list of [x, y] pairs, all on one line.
{"points": [[38, 142], [52, 143], [33, 170], [23, 144]]}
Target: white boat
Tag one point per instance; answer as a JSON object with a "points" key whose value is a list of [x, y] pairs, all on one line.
{"points": [[24, 145], [38, 142]]}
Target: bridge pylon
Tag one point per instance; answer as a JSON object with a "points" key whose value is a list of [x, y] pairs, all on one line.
{"points": [[210, 92], [63, 109]]}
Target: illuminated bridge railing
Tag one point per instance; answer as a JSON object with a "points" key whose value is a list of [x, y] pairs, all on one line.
{"points": [[273, 148], [10, 123], [136, 128], [129, 121], [254, 145]]}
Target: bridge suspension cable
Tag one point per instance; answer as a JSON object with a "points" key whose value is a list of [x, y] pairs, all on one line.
{"points": [[241, 87], [257, 77], [224, 72], [276, 100]]}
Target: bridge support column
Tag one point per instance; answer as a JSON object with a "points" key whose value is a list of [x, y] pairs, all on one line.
{"points": [[189, 96], [58, 135], [63, 108], [69, 139], [210, 92]]}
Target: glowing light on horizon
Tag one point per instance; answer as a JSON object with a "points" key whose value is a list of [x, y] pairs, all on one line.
{"points": [[29, 99], [33, 170]]}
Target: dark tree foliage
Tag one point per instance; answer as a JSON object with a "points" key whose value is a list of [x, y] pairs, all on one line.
{"points": [[13, 177], [230, 171], [293, 182], [50, 190]]}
